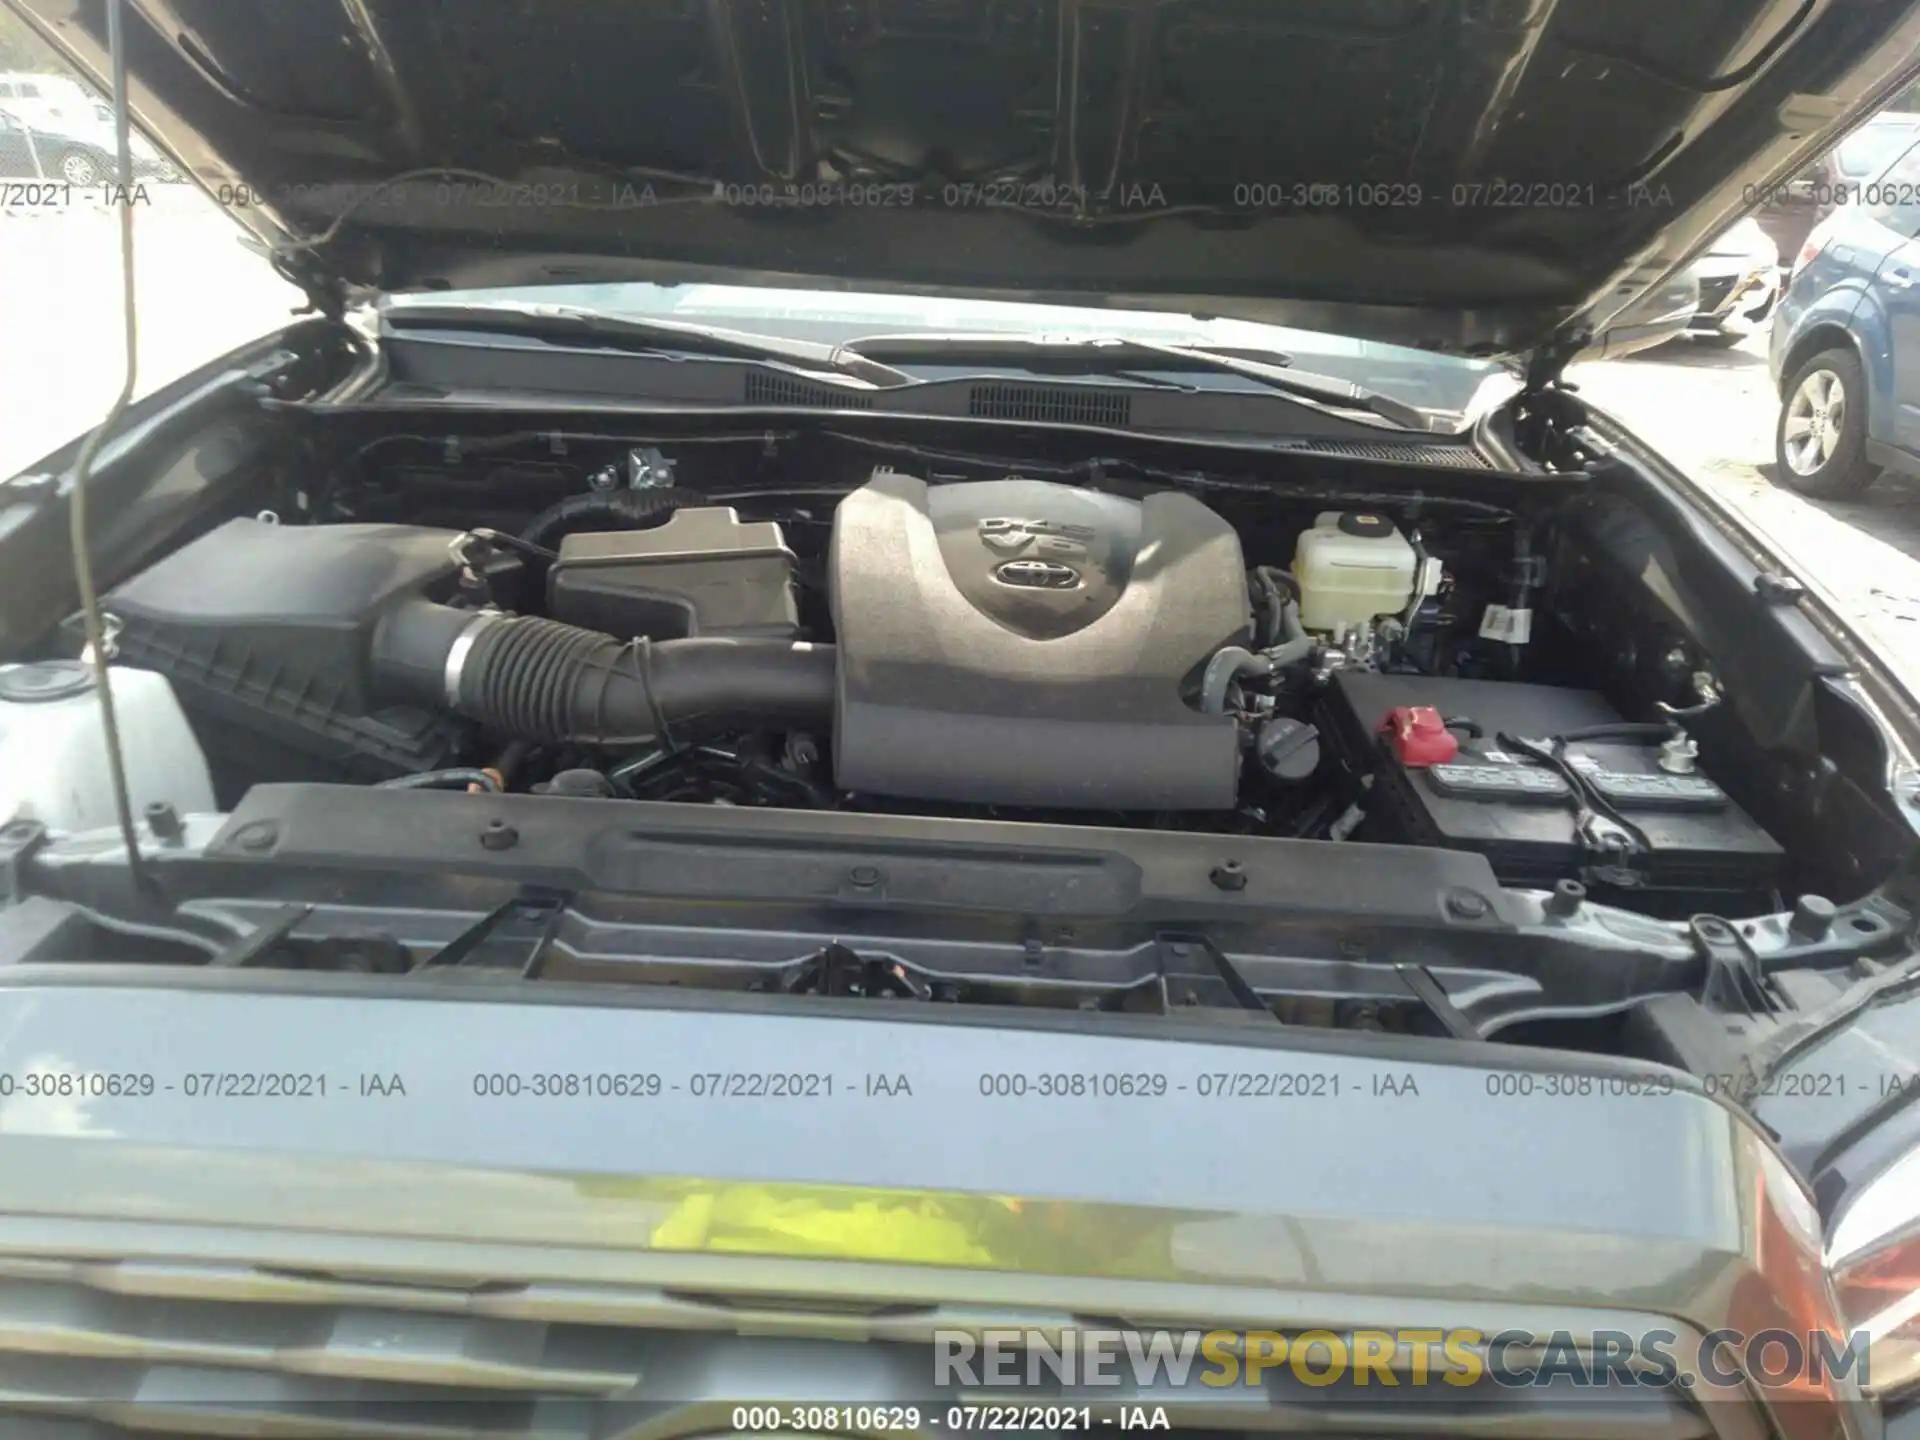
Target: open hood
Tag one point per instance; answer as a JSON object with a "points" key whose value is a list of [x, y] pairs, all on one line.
{"points": [[1493, 177]]}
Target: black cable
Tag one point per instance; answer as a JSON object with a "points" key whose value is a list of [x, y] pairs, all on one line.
{"points": [[461, 776], [1269, 586], [1553, 755], [515, 543], [604, 510], [1622, 732]]}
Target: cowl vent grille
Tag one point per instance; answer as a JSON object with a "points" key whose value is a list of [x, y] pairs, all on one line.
{"points": [[1049, 404], [764, 389], [1408, 452]]}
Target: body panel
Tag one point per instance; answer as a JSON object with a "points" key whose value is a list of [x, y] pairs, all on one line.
{"points": [[1831, 300], [1447, 1202]]}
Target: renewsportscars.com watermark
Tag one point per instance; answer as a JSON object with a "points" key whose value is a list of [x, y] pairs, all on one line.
{"points": [[1724, 1359]]}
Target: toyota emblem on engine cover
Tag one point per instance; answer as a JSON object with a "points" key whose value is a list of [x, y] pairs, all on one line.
{"points": [[1037, 575]]}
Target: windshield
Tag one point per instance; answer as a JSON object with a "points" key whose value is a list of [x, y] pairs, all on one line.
{"points": [[1867, 151], [1443, 385], [1891, 199]]}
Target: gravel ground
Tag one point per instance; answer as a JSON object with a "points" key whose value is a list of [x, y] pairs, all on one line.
{"points": [[1712, 412], [201, 294]]}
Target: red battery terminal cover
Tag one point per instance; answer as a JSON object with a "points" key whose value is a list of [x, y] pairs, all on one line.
{"points": [[1420, 736]]}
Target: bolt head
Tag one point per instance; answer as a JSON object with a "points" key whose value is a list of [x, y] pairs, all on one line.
{"points": [[164, 821], [1228, 875], [1813, 917], [1467, 905], [1566, 898], [499, 836]]}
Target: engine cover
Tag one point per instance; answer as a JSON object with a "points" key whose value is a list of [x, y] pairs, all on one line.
{"points": [[1018, 642]]}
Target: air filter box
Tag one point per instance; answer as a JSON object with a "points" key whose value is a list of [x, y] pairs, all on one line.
{"points": [[266, 633]]}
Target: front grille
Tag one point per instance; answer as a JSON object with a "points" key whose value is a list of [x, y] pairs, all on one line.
{"points": [[1049, 404], [765, 389], [96, 1350]]}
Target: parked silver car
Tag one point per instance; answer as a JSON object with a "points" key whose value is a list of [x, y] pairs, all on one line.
{"points": [[1739, 285]]}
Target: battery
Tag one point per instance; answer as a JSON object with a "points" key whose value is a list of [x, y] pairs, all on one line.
{"points": [[1520, 813]]}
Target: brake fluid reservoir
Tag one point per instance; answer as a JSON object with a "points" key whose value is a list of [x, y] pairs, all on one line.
{"points": [[1352, 567], [53, 746]]}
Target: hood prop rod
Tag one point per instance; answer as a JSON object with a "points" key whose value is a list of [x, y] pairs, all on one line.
{"points": [[98, 645]]}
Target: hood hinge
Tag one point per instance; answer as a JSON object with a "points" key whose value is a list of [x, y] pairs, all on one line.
{"points": [[326, 293], [1545, 365]]}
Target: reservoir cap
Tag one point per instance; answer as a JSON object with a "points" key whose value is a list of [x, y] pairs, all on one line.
{"points": [[44, 681], [1367, 527]]}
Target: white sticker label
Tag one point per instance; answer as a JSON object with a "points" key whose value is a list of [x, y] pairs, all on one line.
{"points": [[1510, 627]]}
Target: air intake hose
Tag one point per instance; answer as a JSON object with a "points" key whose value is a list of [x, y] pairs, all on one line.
{"points": [[540, 680]]}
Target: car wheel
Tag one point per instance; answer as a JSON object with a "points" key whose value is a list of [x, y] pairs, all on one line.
{"points": [[1719, 339], [77, 167], [1820, 441]]}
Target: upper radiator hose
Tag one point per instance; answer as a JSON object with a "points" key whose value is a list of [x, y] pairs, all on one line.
{"points": [[540, 680]]}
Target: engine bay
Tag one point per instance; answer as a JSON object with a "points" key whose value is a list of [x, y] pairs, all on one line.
{"points": [[1008, 648], [934, 711]]}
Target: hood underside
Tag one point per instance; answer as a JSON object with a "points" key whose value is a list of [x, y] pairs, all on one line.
{"points": [[1478, 176]]}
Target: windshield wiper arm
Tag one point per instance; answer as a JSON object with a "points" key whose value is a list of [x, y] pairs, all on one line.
{"points": [[1114, 355], [568, 325], [1788, 1044]]}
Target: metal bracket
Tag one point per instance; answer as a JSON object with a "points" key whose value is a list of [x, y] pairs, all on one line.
{"points": [[1433, 995], [18, 840], [649, 469], [1779, 589], [1545, 364], [512, 935], [1181, 948], [264, 939], [1734, 983]]}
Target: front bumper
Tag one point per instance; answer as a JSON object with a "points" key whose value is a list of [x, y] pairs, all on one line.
{"points": [[1739, 292]]}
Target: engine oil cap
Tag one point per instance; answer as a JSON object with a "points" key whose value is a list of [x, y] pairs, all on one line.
{"points": [[44, 681], [1289, 750], [1366, 527]]}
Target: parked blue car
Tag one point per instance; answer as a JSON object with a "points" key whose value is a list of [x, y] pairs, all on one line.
{"points": [[1845, 346]]}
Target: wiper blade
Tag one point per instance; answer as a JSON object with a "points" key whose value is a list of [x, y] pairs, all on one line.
{"points": [[570, 325], [1115, 355], [854, 366]]}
